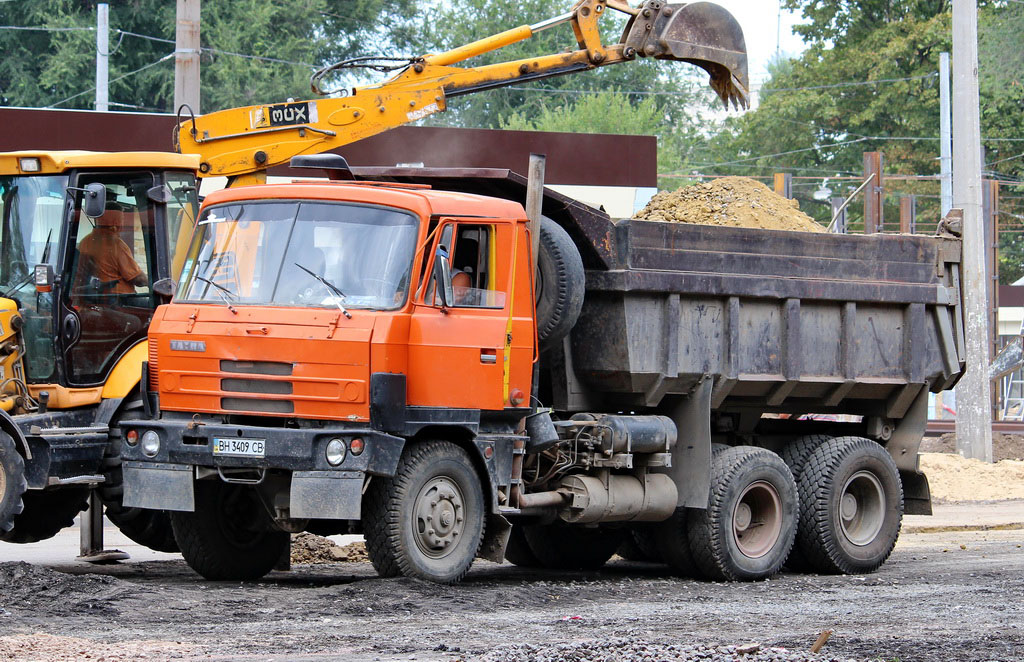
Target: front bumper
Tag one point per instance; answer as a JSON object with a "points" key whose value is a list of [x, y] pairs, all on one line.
{"points": [[165, 481]]}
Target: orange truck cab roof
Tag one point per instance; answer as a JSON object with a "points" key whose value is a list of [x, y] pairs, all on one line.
{"points": [[425, 201]]}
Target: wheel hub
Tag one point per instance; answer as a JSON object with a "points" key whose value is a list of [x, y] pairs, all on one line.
{"points": [[862, 508], [439, 516], [757, 519]]}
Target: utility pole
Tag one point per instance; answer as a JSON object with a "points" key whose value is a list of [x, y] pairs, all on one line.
{"points": [[102, 54], [186, 56], [973, 393], [945, 135]]}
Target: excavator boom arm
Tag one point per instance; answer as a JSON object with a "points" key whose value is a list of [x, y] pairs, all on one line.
{"points": [[241, 143]]}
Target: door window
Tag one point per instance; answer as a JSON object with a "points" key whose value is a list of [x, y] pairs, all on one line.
{"points": [[111, 267]]}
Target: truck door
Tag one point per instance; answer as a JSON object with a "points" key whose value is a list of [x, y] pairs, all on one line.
{"points": [[456, 353]]}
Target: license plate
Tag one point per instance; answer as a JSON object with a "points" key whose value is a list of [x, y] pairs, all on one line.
{"points": [[239, 447]]}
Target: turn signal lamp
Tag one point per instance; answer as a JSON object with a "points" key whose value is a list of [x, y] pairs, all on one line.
{"points": [[132, 437]]}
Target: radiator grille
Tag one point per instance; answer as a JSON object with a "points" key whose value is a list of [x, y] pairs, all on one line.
{"points": [[236, 385], [153, 373], [273, 368], [257, 405]]}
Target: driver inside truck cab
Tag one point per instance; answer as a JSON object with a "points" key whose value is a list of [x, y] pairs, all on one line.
{"points": [[106, 256]]}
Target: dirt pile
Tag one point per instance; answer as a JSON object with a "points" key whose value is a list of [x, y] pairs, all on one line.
{"points": [[25, 587], [954, 478], [736, 201], [1004, 446], [310, 548]]}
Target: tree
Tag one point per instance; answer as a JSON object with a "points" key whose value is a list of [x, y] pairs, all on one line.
{"points": [[254, 50], [455, 24]]}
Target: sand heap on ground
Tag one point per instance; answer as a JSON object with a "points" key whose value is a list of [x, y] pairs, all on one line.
{"points": [[954, 478], [736, 201]]}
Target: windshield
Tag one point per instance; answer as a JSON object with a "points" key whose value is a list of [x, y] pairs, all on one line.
{"points": [[296, 253], [32, 210]]}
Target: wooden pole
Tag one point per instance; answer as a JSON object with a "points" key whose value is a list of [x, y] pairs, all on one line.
{"points": [[973, 393], [186, 56], [908, 214]]}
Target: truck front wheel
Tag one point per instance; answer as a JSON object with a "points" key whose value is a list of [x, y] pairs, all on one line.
{"points": [[12, 482], [427, 520], [851, 506], [748, 528], [230, 536]]}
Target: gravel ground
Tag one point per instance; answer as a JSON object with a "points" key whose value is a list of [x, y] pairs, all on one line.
{"points": [[942, 596]]}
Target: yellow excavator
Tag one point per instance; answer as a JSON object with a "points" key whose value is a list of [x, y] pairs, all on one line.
{"points": [[241, 143], [72, 344]]}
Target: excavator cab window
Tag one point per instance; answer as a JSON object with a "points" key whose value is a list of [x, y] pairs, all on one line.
{"points": [[111, 265]]}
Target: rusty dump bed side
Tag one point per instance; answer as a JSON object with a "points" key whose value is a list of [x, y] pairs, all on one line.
{"points": [[780, 321], [790, 322]]}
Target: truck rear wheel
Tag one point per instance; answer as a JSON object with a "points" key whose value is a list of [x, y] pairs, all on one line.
{"points": [[673, 540], [230, 536], [562, 547], [641, 544], [560, 285], [851, 506], [795, 455], [427, 520], [46, 513], [12, 482], [748, 528]]}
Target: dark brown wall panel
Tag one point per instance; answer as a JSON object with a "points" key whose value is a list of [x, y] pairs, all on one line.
{"points": [[572, 158]]}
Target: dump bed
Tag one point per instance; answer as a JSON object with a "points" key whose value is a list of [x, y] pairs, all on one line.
{"points": [[781, 321], [788, 322]]}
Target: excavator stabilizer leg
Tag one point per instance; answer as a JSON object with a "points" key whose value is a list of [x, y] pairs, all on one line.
{"points": [[701, 33]]}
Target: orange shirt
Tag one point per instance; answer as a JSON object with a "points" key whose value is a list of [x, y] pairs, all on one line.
{"points": [[111, 259]]}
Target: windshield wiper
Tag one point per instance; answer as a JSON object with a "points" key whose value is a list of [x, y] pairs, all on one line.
{"points": [[331, 286], [222, 291]]}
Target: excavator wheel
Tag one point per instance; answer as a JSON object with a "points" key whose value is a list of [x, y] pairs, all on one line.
{"points": [[12, 482], [46, 513]]}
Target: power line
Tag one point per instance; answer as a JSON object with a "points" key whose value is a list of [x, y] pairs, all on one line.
{"points": [[121, 77], [772, 90], [1008, 158], [41, 29]]}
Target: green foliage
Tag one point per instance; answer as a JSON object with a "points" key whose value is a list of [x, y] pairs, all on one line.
{"points": [[42, 68], [455, 24]]}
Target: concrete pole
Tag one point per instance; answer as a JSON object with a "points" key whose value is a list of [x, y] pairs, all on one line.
{"points": [[102, 55], [945, 135], [535, 200], [186, 56], [973, 393]]}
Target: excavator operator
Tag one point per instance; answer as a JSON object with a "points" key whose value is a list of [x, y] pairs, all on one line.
{"points": [[110, 259]]}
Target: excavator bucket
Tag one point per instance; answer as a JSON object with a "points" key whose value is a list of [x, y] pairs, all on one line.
{"points": [[701, 33]]}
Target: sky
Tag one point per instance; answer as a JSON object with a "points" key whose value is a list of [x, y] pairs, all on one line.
{"points": [[760, 20]]}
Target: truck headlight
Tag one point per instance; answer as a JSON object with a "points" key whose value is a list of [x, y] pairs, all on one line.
{"points": [[150, 443], [335, 452]]}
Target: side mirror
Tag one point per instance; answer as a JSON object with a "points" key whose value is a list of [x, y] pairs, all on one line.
{"points": [[43, 277], [159, 194], [443, 277], [95, 200], [164, 288]]}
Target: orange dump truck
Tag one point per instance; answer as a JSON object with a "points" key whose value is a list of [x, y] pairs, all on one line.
{"points": [[359, 356]]}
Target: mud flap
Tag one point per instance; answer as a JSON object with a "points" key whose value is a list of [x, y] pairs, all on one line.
{"points": [[917, 496], [158, 486], [326, 495], [498, 530]]}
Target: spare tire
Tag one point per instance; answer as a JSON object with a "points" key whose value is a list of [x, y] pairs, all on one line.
{"points": [[560, 284]]}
